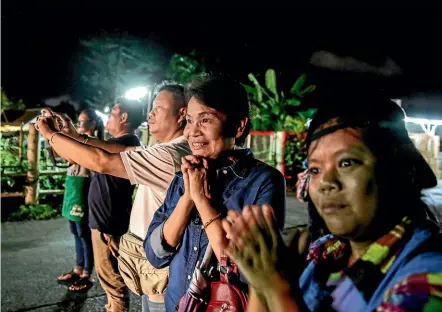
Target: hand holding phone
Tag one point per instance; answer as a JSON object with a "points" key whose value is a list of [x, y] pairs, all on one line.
{"points": [[56, 122]]}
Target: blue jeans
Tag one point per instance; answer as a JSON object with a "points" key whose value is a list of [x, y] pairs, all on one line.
{"points": [[83, 245], [149, 306]]}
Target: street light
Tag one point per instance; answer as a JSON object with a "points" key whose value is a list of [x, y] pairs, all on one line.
{"points": [[142, 94], [136, 93], [104, 117]]}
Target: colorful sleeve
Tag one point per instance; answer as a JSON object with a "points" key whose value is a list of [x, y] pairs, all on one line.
{"points": [[419, 292]]}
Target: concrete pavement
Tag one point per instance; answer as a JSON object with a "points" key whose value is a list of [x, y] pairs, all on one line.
{"points": [[34, 253]]}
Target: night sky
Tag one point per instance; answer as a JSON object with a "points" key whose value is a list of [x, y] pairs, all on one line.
{"points": [[39, 41]]}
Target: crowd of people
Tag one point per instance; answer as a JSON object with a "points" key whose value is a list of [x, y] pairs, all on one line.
{"points": [[371, 243]]}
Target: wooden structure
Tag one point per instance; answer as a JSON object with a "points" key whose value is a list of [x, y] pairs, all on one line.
{"points": [[268, 146], [429, 146], [23, 126], [428, 143]]}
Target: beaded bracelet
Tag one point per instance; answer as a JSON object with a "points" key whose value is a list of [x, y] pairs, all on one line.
{"points": [[210, 221]]}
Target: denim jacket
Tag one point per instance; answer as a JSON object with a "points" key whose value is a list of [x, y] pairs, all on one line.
{"points": [[247, 182]]}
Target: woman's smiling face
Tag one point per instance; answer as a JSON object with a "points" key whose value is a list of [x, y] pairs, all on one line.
{"points": [[205, 130]]}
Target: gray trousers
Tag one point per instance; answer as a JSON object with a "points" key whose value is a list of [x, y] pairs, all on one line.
{"points": [[149, 306]]}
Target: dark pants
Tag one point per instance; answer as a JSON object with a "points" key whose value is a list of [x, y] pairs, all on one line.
{"points": [[83, 245]]}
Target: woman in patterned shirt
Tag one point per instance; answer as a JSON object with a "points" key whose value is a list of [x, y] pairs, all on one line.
{"points": [[379, 251]]}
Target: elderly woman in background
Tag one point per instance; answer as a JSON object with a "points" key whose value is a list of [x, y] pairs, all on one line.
{"points": [[380, 252], [217, 176]]}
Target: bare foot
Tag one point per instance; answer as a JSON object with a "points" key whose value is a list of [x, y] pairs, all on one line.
{"points": [[82, 285], [70, 275]]}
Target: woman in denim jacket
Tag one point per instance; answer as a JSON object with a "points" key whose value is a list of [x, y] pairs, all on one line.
{"points": [[216, 177]]}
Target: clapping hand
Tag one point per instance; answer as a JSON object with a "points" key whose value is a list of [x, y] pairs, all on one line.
{"points": [[257, 247]]}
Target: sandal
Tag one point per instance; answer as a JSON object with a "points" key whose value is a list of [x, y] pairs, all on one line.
{"points": [[82, 285], [67, 278]]}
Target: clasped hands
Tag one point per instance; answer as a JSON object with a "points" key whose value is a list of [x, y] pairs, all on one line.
{"points": [[195, 175], [254, 240]]}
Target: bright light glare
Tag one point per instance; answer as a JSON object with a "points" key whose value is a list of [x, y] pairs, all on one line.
{"points": [[136, 93], [104, 117], [428, 125], [106, 109], [423, 121]]}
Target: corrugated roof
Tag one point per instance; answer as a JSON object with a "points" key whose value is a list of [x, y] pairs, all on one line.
{"points": [[15, 125]]}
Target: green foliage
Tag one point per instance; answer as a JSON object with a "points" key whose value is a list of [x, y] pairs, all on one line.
{"points": [[182, 68], [55, 182], [270, 106], [8, 104], [295, 153], [9, 161], [9, 154], [34, 212], [282, 110]]}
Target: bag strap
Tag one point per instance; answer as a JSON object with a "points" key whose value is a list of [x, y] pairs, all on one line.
{"points": [[227, 267], [228, 263]]}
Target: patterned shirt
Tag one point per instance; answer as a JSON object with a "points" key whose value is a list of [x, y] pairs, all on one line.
{"points": [[417, 292]]}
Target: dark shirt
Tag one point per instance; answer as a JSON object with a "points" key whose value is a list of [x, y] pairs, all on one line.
{"points": [[110, 198], [247, 182]]}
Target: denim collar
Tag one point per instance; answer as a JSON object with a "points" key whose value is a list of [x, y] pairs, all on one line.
{"points": [[243, 161]]}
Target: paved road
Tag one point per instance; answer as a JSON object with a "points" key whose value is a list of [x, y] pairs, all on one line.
{"points": [[34, 253]]}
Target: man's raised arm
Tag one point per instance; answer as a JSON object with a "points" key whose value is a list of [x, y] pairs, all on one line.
{"points": [[88, 156]]}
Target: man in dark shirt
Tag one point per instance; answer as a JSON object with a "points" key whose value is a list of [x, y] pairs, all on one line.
{"points": [[110, 197]]}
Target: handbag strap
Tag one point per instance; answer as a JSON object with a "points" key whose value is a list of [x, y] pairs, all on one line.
{"points": [[227, 267], [228, 263]]}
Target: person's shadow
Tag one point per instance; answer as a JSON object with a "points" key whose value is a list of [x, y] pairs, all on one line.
{"points": [[71, 301]]}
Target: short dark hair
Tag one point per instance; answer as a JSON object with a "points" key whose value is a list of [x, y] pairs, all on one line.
{"points": [[134, 110], [226, 95], [176, 89]]}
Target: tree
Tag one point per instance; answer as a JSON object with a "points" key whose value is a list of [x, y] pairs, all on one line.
{"points": [[182, 68], [8, 104], [111, 64], [276, 110]]}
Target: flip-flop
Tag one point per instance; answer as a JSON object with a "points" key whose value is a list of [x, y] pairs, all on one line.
{"points": [[84, 283], [74, 277]]}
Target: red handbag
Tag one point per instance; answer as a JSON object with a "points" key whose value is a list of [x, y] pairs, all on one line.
{"points": [[227, 294]]}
